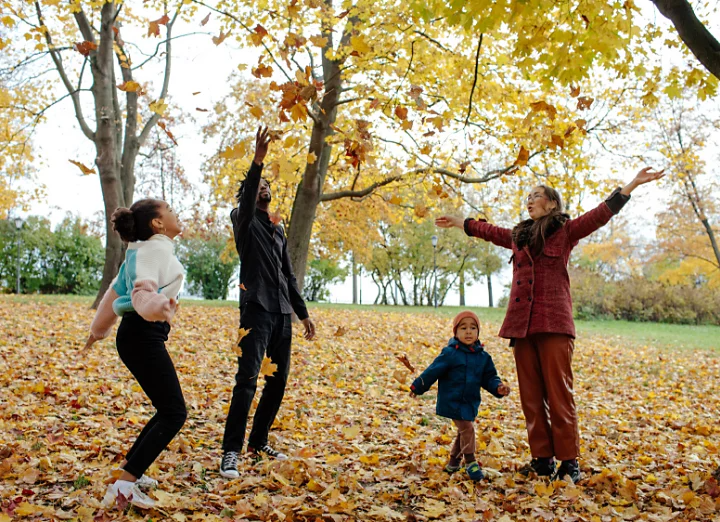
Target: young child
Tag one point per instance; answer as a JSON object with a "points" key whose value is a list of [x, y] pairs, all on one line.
{"points": [[462, 369]]}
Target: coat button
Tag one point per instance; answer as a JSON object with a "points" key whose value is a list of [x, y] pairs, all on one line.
{"points": [[530, 282], [530, 263], [517, 299], [530, 298], [519, 265], [518, 282]]}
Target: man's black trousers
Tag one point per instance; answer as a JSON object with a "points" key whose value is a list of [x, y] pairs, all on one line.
{"points": [[271, 334]]}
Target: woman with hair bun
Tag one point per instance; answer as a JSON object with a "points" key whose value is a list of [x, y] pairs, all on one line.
{"points": [[144, 294]]}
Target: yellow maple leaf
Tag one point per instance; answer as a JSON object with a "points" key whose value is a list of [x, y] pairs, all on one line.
{"points": [[267, 368], [311, 158], [129, 86], [257, 112], [319, 41], [298, 112], [237, 151], [85, 170], [359, 45], [159, 107]]}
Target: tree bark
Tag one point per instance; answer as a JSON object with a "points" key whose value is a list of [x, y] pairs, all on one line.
{"points": [[713, 241], [461, 287], [354, 280], [693, 32]]}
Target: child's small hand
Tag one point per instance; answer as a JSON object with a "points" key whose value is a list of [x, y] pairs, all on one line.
{"points": [[503, 389], [413, 394]]}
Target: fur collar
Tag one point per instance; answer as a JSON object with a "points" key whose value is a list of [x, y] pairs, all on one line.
{"points": [[522, 232]]}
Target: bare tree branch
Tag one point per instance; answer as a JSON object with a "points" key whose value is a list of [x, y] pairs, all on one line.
{"points": [[57, 60], [472, 90], [362, 193]]}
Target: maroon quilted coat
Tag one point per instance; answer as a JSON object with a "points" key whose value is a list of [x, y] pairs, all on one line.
{"points": [[540, 299]]}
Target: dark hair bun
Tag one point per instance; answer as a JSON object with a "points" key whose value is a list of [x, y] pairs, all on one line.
{"points": [[123, 221]]}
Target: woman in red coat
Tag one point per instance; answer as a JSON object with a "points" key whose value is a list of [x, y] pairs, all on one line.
{"points": [[539, 321]]}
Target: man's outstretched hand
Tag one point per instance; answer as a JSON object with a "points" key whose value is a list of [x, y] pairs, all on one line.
{"points": [[262, 142]]}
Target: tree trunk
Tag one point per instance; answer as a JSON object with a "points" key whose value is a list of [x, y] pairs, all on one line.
{"points": [[107, 158], [354, 280], [461, 287], [490, 296], [713, 241]]}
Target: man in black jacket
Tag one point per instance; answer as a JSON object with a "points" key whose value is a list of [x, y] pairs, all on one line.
{"points": [[268, 296]]}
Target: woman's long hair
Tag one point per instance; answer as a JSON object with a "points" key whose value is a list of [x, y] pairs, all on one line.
{"points": [[534, 233]]}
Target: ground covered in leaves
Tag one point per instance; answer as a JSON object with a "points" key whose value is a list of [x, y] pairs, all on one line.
{"points": [[361, 448]]}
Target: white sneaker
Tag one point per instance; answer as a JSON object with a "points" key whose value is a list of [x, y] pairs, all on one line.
{"points": [[146, 482], [122, 493], [228, 465]]}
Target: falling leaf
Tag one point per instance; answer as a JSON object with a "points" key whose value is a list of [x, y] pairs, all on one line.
{"points": [[574, 92], [523, 157], [406, 362], [275, 217], [257, 112], [311, 158], [298, 112], [584, 103], [401, 377], [129, 86], [154, 26], [205, 20], [319, 41], [158, 107], [258, 34], [196, 93], [85, 47], [421, 210], [542, 106], [401, 112], [242, 287], [262, 71], [85, 170], [340, 331], [268, 368], [169, 134], [217, 40], [556, 142]]}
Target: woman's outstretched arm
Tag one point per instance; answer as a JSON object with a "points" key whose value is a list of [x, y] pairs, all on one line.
{"points": [[478, 228]]}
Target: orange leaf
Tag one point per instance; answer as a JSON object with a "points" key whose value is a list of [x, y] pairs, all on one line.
{"points": [[169, 134], [258, 34], [406, 362], [257, 112], [340, 331], [523, 157], [267, 368], [275, 217], [401, 112], [154, 26], [421, 211], [556, 142], [130, 86], [574, 92], [217, 40], [85, 47], [584, 103], [262, 71], [205, 20], [242, 286], [85, 170]]}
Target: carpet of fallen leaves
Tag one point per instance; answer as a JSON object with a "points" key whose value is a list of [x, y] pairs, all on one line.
{"points": [[360, 448]]}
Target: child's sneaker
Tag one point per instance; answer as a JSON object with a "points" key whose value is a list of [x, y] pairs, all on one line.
{"points": [[542, 467], [568, 468], [146, 482], [474, 471], [267, 451], [449, 468], [122, 493]]}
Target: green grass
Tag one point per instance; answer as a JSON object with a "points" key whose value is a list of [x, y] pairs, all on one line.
{"points": [[677, 336]]}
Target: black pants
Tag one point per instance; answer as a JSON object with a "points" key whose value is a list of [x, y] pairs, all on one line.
{"points": [[141, 346], [271, 333]]}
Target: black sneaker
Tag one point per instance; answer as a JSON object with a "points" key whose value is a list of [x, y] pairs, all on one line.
{"points": [[542, 467], [568, 468], [228, 465], [267, 451]]}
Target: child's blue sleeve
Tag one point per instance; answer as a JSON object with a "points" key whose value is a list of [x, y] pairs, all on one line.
{"points": [[490, 379], [437, 369]]}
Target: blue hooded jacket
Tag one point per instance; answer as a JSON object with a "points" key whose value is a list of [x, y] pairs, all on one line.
{"points": [[461, 371]]}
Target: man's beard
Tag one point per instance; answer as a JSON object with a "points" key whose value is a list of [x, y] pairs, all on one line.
{"points": [[266, 198]]}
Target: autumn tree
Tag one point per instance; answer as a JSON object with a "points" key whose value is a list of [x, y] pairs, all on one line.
{"points": [[83, 44], [369, 99]]}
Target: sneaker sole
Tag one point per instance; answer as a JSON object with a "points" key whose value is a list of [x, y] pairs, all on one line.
{"points": [[229, 474]]}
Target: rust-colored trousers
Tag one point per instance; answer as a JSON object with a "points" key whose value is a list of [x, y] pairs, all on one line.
{"points": [[545, 380], [465, 440]]}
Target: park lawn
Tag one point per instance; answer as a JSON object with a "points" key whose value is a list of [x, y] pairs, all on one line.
{"points": [[360, 447], [677, 336]]}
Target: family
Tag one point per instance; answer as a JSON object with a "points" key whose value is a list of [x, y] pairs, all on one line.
{"points": [[538, 324]]}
